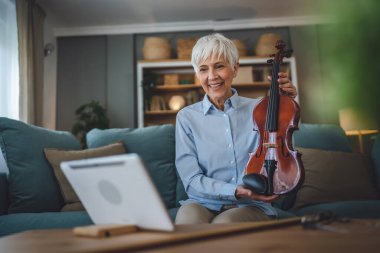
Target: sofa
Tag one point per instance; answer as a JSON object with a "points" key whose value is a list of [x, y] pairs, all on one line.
{"points": [[32, 197]]}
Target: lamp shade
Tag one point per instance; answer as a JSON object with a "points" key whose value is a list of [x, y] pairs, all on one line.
{"points": [[352, 120]]}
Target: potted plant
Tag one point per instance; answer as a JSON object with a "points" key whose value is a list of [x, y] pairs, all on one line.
{"points": [[89, 116]]}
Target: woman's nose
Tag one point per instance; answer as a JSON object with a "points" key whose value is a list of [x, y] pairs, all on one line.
{"points": [[212, 74]]}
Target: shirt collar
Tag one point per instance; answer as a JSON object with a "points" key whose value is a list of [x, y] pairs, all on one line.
{"points": [[233, 101]]}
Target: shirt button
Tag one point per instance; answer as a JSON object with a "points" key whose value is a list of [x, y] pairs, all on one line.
{"points": [[231, 162], [229, 145], [227, 130], [225, 115], [233, 179]]}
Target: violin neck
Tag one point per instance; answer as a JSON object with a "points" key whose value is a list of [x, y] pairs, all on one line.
{"points": [[271, 122]]}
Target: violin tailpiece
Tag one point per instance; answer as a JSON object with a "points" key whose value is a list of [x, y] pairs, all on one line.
{"points": [[270, 167]]}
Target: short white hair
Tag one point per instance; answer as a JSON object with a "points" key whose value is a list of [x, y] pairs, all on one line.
{"points": [[214, 44]]}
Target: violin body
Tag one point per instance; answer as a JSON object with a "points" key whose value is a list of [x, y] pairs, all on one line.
{"points": [[274, 167], [277, 146]]}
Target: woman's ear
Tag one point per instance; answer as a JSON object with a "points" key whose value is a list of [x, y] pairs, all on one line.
{"points": [[236, 68]]}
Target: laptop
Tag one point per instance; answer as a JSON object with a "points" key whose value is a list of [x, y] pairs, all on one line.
{"points": [[118, 190]]}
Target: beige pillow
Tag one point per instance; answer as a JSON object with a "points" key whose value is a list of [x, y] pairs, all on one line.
{"points": [[335, 176], [56, 156]]}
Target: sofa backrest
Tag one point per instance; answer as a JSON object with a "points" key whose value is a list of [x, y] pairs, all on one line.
{"points": [[3, 193], [32, 185], [321, 136], [156, 147]]}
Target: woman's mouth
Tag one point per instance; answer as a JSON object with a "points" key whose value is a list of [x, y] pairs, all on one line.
{"points": [[215, 85]]}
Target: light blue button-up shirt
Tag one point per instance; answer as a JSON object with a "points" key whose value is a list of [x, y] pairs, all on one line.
{"points": [[212, 150]]}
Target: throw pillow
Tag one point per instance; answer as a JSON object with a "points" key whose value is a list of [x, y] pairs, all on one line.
{"points": [[56, 156], [332, 176], [156, 147], [32, 184]]}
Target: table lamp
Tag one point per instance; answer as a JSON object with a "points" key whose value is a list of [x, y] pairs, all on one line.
{"points": [[355, 123]]}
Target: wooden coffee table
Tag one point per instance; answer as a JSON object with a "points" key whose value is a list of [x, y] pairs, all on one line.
{"points": [[355, 236]]}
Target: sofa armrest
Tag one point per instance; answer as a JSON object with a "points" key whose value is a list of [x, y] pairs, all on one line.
{"points": [[3, 193]]}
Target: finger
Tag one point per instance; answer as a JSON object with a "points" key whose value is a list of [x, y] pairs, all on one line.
{"points": [[288, 85], [284, 81], [282, 74], [289, 92], [267, 198], [288, 89], [256, 196]]}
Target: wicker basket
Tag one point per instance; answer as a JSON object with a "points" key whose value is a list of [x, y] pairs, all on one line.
{"points": [[266, 44], [156, 48], [242, 49], [185, 47]]}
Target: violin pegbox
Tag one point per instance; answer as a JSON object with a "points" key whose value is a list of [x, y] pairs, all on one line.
{"points": [[281, 53]]}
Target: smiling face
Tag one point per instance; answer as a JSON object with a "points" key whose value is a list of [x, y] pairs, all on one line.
{"points": [[216, 75]]}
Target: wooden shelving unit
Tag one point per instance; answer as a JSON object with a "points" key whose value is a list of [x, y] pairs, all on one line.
{"points": [[148, 69]]}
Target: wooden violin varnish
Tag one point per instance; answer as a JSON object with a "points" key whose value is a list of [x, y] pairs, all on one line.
{"points": [[275, 168]]}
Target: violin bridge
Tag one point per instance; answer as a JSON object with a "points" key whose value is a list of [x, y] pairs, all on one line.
{"points": [[270, 145]]}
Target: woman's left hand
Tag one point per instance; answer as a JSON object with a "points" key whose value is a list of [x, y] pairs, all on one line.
{"points": [[286, 86]]}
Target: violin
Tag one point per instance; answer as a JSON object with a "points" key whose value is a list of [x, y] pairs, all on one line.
{"points": [[275, 168]]}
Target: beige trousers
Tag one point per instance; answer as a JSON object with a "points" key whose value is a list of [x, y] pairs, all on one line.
{"points": [[195, 213]]}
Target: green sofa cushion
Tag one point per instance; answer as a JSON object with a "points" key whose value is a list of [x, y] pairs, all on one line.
{"points": [[32, 184], [155, 145], [173, 212], [3, 193], [375, 155], [321, 136], [368, 209], [18, 222], [180, 191]]}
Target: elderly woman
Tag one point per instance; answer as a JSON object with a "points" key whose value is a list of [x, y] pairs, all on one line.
{"points": [[213, 139]]}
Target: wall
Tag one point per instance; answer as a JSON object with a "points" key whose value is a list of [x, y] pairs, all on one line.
{"points": [[312, 74], [50, 73], [81, 76], [121, 88], [307, 54], [105, 71], [99, 68]]}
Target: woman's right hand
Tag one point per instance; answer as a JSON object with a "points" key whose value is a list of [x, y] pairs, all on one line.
{"points": [[242, 192]]}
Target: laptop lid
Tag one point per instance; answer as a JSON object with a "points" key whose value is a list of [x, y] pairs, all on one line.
{"points": [[118, 190]]}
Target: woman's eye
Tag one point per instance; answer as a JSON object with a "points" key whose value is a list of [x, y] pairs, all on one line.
{"points": [[219, 66], [202, 70]]}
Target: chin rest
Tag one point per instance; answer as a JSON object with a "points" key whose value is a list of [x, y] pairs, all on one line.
{"points": [[257, 183]]}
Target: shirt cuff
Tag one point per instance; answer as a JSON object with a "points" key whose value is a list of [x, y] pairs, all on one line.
{"points": [[228, 192]]}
